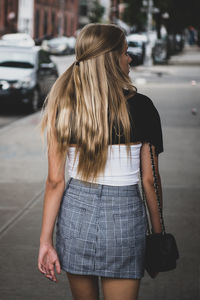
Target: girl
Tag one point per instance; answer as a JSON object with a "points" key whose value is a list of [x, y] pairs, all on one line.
{"points": [[100, 125]]}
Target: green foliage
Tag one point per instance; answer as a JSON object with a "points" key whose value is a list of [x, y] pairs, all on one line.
{"points": [[182, 13], [163, 5], [133, 14], [96, 12]]}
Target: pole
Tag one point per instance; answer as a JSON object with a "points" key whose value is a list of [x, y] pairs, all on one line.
{"points": [[148, 60], [61, 17]]}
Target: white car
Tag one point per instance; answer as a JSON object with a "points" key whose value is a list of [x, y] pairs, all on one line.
{"points": [[60, 45], [18, 39], [136, 47]]}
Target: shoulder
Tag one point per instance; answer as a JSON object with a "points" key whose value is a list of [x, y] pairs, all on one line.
{"points": [[146, 120], [142, 104], [140, 99]]}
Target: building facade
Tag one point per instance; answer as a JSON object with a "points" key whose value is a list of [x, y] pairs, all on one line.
{"points": [[8, 16], [39, 18], [55, 17], [25, 16]]}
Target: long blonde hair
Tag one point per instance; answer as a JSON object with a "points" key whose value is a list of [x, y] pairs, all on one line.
{"points": [[87, 101]]}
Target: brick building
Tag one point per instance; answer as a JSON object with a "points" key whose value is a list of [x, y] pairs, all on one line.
{"points": [[8, 16], [41, 18], [55, 17]]}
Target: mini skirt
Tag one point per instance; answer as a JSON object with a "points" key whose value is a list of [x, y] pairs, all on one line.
{"points": [[101, 230]]}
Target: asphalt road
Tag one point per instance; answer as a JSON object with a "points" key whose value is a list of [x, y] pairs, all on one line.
{"points": [[9, 114], [12, 112]]}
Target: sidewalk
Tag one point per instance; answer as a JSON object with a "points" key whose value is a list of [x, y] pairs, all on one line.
{"points": [[175, 70], [189, 56], [23, 172], [23, 167]]}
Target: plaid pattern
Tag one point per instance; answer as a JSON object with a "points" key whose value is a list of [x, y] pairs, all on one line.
{"points": [[100, 230]]}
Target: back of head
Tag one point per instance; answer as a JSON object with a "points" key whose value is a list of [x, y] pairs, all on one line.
{"points": [[98, 39], [87, 99]]}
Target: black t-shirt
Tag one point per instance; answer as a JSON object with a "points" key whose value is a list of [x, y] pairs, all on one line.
{"points": [[145, 123]]}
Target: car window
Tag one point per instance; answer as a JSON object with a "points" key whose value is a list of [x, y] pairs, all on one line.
{"points": [[134, 44], [44, 57], [16, 58]]}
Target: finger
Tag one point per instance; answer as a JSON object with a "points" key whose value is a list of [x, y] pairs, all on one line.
{"points": [[53, 276], [41, 268], [52, 272], [49, 277], [48, 273], [58, 268]]}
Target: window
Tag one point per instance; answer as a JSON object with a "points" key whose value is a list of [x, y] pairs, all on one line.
{"points": [[53, 18], [53, 22], [72, 26], [65, 25], [45, 22], [43, 57], [37, 23]]}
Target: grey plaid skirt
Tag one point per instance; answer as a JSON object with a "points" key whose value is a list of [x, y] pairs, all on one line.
{"points": [[100, 230]]}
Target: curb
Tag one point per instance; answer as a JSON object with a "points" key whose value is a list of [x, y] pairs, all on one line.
{"points": [[184, 63]]}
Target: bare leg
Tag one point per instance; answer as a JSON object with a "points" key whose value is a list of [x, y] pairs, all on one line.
{"points": [[83, 287], [120, 289]]}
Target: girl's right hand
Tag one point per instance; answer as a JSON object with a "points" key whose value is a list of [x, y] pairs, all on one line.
{"points": [[48, 261]]}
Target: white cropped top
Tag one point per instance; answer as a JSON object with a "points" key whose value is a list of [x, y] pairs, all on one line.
{"points": [[120, 168]]}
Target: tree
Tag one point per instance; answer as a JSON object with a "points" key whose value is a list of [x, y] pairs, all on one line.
{"points": [[133, 15], [182, 13], [96, 12]]}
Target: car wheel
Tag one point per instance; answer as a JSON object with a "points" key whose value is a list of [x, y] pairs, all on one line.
{"points": [[35, 102]]}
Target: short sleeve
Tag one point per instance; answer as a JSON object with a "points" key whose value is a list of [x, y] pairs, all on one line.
{"points": [[145, 122], [153, 129]]}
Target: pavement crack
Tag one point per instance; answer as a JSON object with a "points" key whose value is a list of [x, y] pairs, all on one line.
{"points": [[32, 202]]}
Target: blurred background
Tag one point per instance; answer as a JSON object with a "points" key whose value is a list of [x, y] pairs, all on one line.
{"points": [[37, 44], [32, 31]]}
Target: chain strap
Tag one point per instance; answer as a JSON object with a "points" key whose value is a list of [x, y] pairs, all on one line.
{"points": [[145, 202], [156, 191]]}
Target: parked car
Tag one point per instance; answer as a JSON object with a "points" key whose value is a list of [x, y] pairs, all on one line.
{"points": [[136, 48], [175, 43], [159, 52], [72, 42], [59, 46], [18, 39], [26, 75]]}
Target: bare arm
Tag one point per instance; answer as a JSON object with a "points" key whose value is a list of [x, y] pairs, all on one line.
{"points": [[148, 184], [55, 185]]}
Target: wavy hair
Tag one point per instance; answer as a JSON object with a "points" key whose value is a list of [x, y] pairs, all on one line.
{"points": [[87, 101]]}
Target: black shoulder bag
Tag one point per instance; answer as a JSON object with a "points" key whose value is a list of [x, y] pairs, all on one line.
{"points": [[161, 248]]}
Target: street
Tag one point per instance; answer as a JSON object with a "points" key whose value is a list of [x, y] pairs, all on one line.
{"points": [[175, 91]]}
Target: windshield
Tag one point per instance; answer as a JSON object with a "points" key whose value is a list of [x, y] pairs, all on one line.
{"points": [[135, 44], [16, 59], [58, 41]]}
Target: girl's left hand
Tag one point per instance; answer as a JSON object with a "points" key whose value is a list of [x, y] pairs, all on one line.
{"points": [[47, 261]]}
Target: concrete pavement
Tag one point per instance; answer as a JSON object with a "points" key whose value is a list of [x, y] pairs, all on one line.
{"points": [[23, 171]]}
